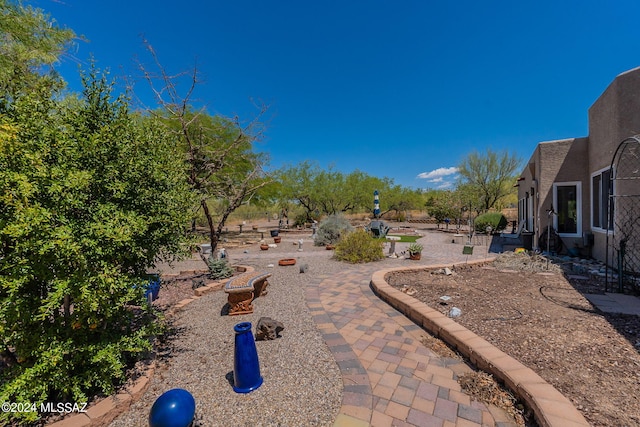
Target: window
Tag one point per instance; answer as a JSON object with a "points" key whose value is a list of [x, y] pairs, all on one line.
{"points": [[567, 202], [601, 185]]}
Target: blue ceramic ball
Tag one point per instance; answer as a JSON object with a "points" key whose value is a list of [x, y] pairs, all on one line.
{"points": [[174, 408]]}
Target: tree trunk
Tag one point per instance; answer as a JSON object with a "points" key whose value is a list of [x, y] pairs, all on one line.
{"points": [[213, 238]]}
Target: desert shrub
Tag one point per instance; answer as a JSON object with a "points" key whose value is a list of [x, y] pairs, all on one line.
{"points": [[219, 268], [300, 219], [496, 220], [331, 229], [358, 246]]}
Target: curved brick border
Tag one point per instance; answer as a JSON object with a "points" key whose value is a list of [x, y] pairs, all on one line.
{"points": [[102, 412], [550, 407]]}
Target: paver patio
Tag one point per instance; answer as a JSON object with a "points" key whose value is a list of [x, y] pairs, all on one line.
{"points": [[390, 377]]}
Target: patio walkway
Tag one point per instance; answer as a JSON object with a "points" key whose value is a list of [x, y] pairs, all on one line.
{"points": [[390, 377]]}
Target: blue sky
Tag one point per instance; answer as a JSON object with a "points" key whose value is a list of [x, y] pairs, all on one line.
{"points": [[403, 89]]}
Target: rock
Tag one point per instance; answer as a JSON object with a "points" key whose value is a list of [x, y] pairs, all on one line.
{"points": [[197, 283], [455, 312], [268, 329], [409, 290]]}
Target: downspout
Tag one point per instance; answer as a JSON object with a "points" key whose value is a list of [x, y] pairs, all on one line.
{"points": [[536, 199], [536, 212]]}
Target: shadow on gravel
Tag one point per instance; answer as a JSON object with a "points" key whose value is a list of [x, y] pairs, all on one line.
{"points": [[229, 378], [224, 311], [167, 348]]}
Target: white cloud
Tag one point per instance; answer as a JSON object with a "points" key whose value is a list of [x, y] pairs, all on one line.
{"points": [[445, 186], [436, 175]]}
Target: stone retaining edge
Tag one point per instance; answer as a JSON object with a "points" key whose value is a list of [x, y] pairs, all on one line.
{"points": [[549, 406], [105, 410]]}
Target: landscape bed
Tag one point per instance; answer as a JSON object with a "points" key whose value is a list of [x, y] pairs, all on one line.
{"points": [[542, 319]]}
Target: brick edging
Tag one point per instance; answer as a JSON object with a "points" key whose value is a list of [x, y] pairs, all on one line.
{"points": [[549, 406], [106, 410]]}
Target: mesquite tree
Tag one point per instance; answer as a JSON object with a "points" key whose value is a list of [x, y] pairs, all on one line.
{"points": [[218, 151], [490, 175]]}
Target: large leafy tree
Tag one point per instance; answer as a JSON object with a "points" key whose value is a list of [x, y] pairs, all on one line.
{"points": [[91, 196], [29, 44], [490, 175], [222, 166], [298, 185]]}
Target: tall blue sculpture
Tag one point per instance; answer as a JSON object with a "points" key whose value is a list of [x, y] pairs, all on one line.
{"points": [[246, 367]]}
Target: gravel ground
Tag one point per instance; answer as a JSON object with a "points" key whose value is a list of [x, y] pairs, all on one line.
{"points": [[302, 383]]}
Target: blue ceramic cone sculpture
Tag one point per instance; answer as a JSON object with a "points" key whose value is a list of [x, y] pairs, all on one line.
{"points": [[174, 408], [246, 368]]}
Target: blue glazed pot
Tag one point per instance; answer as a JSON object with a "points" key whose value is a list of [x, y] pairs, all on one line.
{"points": [[246, 367], [174, 408], [152, 288]]}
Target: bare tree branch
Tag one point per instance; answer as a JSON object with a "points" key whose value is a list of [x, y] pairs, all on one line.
{"points": [[219, 152]]}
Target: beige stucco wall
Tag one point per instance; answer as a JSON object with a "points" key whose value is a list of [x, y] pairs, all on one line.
{"points": [[613, 117], [555, 161]]}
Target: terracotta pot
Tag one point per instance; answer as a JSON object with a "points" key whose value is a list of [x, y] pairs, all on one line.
{"points": [[287, 261], [277, 239], [264, 247], [415, 256]]}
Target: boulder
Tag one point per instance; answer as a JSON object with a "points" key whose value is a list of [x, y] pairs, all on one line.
{"points": [[268, 329]]}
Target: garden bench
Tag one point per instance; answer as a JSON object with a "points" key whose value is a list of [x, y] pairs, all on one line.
{"points": [[243, 290]]}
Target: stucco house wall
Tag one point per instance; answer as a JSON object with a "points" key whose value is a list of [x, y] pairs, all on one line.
{"points": [[613, 117], [553, 161]]}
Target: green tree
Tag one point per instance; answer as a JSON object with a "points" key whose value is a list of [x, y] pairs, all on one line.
{"points": [[222, 166], [91, 196], [31, 43], [443, 204], [328, 192], [490, 175], [299, 185], [399, 199]]}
